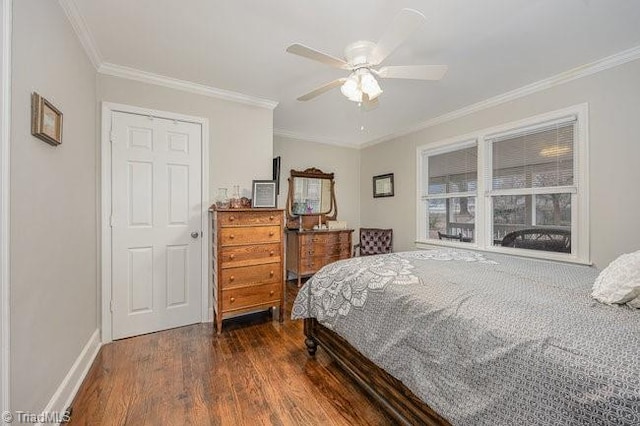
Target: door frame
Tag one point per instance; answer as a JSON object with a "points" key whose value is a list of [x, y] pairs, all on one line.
{"points": [[108, 108], [6, 14]]}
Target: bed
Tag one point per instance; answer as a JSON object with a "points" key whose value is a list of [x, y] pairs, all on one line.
{"points": [[458, 337]]}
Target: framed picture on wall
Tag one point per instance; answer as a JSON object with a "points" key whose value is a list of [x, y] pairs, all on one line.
{"points": [[263, 194], [46, 120], [383, 185]]}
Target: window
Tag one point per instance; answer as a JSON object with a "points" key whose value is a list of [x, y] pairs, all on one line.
{"points": [[451, 190], [518, 188], [532, 182]]}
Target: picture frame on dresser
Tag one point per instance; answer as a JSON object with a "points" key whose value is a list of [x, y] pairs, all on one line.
{"points": [[264, 194]]}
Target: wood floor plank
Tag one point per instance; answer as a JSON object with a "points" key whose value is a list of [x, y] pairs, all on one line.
{"points": [[257, 372]]}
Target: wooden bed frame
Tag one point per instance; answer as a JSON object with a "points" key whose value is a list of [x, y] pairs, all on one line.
{"points": [[388, 391]]}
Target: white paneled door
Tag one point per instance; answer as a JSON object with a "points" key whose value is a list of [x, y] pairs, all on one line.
{"points": [[155, 224]]}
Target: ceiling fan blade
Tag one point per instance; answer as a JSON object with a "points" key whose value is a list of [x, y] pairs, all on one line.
{"points": [[369, 104], [320, 90], [403, 25], [414, 72], [309, 53]]}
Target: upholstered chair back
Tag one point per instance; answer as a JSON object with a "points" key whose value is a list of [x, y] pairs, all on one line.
{"points": [[374, 241]]}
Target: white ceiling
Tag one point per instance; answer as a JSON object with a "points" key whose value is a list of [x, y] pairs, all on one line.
{"points": [[491, 47]]}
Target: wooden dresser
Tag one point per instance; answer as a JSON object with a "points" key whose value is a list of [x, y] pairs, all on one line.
{"points": [[308, 251], [247, 261]]}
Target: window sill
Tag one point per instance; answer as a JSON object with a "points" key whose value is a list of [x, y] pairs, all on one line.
{"points": [[532, 254]]}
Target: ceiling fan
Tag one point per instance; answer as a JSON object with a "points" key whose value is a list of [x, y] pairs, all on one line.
{"points": [[363, 57]]}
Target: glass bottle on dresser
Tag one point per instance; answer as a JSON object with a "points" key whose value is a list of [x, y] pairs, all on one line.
{"points": [[235, 202], [222, 200]]}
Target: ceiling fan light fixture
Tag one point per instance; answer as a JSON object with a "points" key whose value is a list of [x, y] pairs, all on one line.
{"points": [[357, 97], [362, 58], [350, 87], [370, 85], [359, 83]]}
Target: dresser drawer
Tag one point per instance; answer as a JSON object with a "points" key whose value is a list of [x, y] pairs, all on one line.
{"points": [[315, 239], [326, 238], [336, 249], [313, 264], [344, 237], [250, 235], [247, 297], [255, 254], [251, 275], [249, 218]]}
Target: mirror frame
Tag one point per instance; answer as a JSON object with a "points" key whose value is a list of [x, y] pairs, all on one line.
{"points": [[306, 221]]}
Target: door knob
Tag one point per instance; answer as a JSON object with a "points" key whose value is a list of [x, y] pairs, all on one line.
{"points": [[195, 234]]}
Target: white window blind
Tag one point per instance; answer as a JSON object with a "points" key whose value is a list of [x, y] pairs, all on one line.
{"points": [[453, 172], [451, 185], [535, 159]]}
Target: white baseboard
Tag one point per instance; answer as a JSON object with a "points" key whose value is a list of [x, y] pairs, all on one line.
{"points": [[63, 397]]}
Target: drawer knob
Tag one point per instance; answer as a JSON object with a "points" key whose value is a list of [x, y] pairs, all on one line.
{"points": [[271, 234], [231, 278], [271, 273], [231, 218], [271, 293], [231, 237], [232, 256], [233, 299], [271, 217], [271, 253]]}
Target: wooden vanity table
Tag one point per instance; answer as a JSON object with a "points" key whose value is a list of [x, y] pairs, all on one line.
{"points": [[308, 251], [310, 204]]}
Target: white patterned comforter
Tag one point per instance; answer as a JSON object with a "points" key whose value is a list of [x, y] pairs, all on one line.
{"points": [[486, 339]]}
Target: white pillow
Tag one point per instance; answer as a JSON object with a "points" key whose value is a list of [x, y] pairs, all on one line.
{"points": [[635, 303], [620, 281]]}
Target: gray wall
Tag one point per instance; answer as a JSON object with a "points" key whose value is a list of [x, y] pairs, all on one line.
{"points": [[344, 162], [614, 152], [53, 206], [241, 136]]}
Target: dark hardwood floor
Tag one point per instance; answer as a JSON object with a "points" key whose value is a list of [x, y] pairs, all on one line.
{"points": [[256, 372]]}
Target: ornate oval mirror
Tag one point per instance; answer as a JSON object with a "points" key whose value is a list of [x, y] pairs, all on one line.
{"points": [[311, 198]]}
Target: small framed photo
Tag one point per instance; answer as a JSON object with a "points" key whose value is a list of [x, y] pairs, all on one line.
{"points": [[263, 194], [46, 120], [383, 185]]}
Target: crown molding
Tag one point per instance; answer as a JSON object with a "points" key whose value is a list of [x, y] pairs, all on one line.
{"points": [[82, 31], [91, 49], [586, 70], [311, 138], [184, 85]]}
